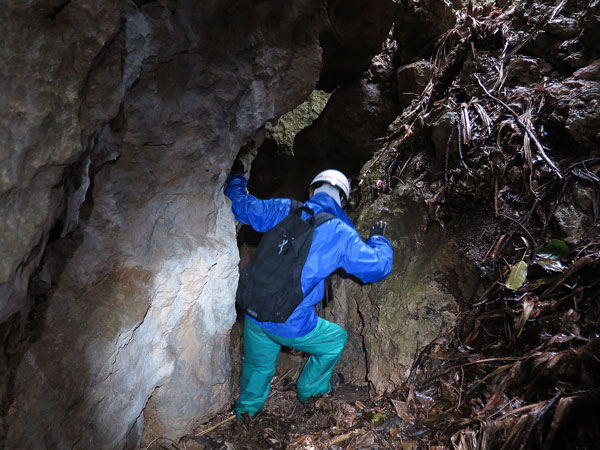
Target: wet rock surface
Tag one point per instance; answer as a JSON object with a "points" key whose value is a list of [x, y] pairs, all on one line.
{"points": [[411, 80], [389, 321], [43, 86], [417, 26]]}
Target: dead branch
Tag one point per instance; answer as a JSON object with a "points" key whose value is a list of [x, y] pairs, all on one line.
{"points": [[538, 417], [521, 225], [343, 437], [581, 262], [171, 442], [523, 128]]}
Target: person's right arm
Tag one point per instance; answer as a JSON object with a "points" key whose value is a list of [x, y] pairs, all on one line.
{"points": [[261, 215], [370, 261]]}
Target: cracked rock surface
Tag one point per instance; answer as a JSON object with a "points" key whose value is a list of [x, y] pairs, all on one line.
{"points": [[120, 125]]}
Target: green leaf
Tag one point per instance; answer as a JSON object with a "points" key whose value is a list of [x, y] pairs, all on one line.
{"points": [[551, 265], [555, 249], [378, 417], [517, 276]]}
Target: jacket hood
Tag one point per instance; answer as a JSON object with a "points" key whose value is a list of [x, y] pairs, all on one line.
{"points": [[322, 202]]}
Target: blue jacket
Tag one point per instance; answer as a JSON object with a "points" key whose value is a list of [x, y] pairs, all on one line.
{"points": [[336, 244]]}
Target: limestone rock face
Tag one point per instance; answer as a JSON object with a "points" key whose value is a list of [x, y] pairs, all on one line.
{"points": [[591, 22], [137, 315], [45, 62], [578, 111], [389, 321], [419, 23]]}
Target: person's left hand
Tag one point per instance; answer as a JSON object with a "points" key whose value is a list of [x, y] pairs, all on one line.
{"points": [[378, 229], [237, 168]]}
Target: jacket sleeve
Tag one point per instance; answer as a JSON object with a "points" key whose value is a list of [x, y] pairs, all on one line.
{"points": [[261, 215], [370, 261]]}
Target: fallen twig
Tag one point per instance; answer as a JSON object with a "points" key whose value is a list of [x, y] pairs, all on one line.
{"points": [[343, 437], [583, 261], [519, 223], [585, 161], [214, 427], [446, 157], [493, 373], [538, 417], [460, 142], [471, 363], [165, 439]]}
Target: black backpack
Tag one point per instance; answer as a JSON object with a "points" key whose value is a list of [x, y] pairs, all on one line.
{"points": [[269, 288]]}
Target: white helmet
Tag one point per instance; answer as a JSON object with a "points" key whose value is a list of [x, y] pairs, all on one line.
{"points": [[334, 178]]}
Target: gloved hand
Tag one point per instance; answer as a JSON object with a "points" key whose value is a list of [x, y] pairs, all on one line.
{"points": [[378, 229], [237, 168]]}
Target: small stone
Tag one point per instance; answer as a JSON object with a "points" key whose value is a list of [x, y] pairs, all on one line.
{"points": [[563, 27], [589, 72], [570, 221], [523, 70], [411, 79]]}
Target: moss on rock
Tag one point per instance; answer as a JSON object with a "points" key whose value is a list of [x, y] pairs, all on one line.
{"points": [[419, 300], [287, 126]]}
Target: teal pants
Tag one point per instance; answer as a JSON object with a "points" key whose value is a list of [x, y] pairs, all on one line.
{"points": [[324, 344]]}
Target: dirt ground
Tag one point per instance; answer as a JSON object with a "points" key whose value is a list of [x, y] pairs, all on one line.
{"points": [[348, 418]]}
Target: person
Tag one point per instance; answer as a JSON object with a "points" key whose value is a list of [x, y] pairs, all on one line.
{"points": [[336, 244]]}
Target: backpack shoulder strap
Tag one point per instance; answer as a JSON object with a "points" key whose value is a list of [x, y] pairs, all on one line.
{"points": [[295, 205], [322, 218], [319, 218]]}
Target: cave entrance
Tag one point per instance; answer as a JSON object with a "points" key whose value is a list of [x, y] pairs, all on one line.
{"points": [[296, 147]]}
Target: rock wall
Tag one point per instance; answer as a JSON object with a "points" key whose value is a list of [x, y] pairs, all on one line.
{"points": [[120, 126], [390, 321], [46, 62], [442, 262], [355, 33]]}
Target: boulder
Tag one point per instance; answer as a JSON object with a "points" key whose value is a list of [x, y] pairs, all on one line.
{"points": [[389, 321], [523, 70], [574, 214], [576, 110], [590, 34], [411, 80], [590, 72]]}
